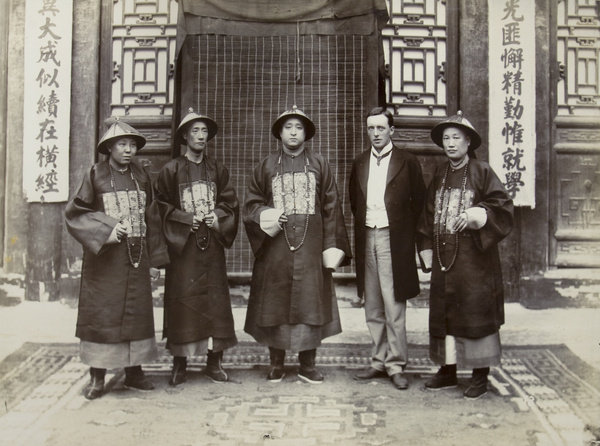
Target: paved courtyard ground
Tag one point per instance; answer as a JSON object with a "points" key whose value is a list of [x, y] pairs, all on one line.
{"points": [[547, 391]]}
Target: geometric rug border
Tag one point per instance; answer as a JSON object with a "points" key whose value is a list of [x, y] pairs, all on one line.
{"points": [[340, 354], [555, 365]]}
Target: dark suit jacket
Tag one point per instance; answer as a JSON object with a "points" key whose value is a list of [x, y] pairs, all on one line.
{"points": [[404, 197]]}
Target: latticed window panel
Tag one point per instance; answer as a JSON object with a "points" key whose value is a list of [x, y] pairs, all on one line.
{"points": [[578, 54], [143, 50], [415, 48], [245, 82]]}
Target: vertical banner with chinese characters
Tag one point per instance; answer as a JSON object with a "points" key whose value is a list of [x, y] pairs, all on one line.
{"points": [[512, 96], [47, 99]]}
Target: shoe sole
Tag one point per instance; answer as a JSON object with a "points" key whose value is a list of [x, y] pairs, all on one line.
{"points": [[178, 383], [89, 397], [357, 378], [473, 398], [308, 380], [137, 388], [278, 380], [218, 382], [435, 389]]}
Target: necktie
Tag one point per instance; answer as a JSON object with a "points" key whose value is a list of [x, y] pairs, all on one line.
{"points": [[380, 157]]}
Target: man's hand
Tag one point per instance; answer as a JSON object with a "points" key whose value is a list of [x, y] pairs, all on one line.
{"points": [[461, 222], [282, 219], [196, 222], [154, 273], [123, 229], [210, 219]]}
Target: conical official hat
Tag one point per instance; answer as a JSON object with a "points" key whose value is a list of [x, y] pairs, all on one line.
{"points": [[458, 120], [294, 112], [118, 130], [213, 128]]}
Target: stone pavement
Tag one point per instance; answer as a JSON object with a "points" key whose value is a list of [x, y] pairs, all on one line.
{"points": [[546, 392]]}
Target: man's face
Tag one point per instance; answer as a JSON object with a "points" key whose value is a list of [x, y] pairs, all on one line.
{"points": [[122, 150], [379, 130], [293, 134], [196, 136], [456, 144]]}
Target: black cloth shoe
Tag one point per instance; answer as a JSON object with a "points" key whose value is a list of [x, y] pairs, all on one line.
{"points": [[277, 370], [308, 371], [445, 378], [95, 388], [214, 370], [275, 375], [136, 379], [370, 373], [399, 381], [479, 383], [179, 372]]}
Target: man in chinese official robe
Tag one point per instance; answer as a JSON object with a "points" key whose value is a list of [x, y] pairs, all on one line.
{"points": [[467, 213], [200, 214], [114, 218], [293, 218]]}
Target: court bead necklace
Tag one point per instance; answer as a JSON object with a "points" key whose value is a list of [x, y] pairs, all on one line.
{"points": [[437, 227], [307, 195], [122, 216], [203, 247]]}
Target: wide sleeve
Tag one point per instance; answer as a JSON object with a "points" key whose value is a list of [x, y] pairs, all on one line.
{"points": [[155, 239], [227, 208], [499, 208], [417, 196], [334, 226], [353, 188], [425, 225], [176, 224], [87, 225], [256, 201]]}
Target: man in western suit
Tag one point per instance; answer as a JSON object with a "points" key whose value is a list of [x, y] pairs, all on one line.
{"points": [[387, 192]]}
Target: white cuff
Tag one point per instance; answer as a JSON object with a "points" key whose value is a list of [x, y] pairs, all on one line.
{"points": [[476, 217], [112, 238], [215, 225], [333, 258], [269, 221], [427, 258]]}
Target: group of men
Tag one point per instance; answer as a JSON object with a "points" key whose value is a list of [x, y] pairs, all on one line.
{"points": [[294, 222]]}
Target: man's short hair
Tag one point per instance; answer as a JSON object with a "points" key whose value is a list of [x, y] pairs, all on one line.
{"points": [[382, 111]]}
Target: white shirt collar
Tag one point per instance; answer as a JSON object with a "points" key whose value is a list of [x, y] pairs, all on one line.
{"points": [[385, 150]]}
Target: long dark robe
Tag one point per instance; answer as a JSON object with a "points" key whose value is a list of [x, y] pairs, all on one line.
{"points": [[197, 300], [293, 287], [467, 300], [115, 299]]}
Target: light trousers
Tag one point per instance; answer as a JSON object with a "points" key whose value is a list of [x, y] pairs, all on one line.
{"points": [[386, 318]]}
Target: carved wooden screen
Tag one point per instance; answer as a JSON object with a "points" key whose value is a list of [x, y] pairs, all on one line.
{"points": [[577, 141], [137, 82], [421, 83], [417, 46]]}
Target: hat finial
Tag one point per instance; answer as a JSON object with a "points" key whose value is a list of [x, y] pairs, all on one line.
{"points": [[190, 110], [294, 107]]}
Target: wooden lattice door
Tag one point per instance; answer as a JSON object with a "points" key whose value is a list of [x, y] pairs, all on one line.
{"points": [[575, 241]]}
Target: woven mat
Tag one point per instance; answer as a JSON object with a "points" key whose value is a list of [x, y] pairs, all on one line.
{"points": [[551, 378]]}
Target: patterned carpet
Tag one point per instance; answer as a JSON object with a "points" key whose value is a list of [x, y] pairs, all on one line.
{"points": [[562, 390]]}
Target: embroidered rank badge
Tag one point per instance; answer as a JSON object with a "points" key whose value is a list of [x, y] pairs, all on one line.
{"points": [[294, 192], [449, 213], [132, 213], [203, 195]]}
